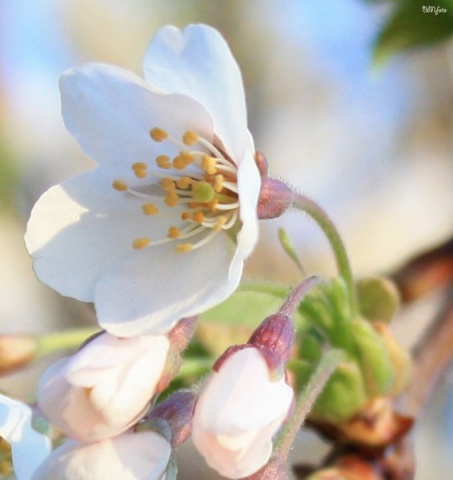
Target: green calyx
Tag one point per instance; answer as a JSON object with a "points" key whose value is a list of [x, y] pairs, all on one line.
{"points": [[375, 364]]}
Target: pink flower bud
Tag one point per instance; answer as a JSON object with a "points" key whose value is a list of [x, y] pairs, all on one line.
{"points": [[177, 412], [132, 455], [275, 198], [105, 387], [238, 411], [276, 333]]}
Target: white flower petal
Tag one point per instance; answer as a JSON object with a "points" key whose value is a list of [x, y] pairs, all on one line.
{"points": [[69, 408], [110, 112], [130, 456], [151, 291], [79, 228], [29, 448], [235, 390], [119, 371], [249, 186], [197, 62]]}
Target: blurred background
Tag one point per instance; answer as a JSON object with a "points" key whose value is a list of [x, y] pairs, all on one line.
{"points": [[372, 146]]}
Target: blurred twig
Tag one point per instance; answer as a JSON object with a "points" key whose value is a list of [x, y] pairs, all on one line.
{"points": [[432, 270], [426, 272]]}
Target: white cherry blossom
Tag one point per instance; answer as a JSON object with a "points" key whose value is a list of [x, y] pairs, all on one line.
{"points": [[161, 229]]}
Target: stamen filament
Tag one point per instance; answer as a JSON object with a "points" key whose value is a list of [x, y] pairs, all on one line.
{"points": [[144, 196], [230, 186], [211, 147], [231, 221], [227, 206], [226, 168], [174, 177], [205, 240]]}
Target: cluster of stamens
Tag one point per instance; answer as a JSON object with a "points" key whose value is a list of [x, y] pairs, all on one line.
{"points": [[203, 181]]}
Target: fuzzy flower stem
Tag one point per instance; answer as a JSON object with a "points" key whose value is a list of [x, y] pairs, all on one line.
{"points": [[305, 403], [305, 204], [296, 296]]}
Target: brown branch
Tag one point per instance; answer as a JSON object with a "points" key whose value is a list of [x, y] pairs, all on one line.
{"points": [[429, 271], [432, 356]]}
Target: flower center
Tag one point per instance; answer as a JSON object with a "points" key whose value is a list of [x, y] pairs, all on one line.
{"points": [[202, 180]]}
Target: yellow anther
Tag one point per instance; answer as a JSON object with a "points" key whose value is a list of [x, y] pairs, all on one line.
{"points": [[163, 161], [184, 182], [141, 242], [140, 172], [158, 134], [218, 182], [188, 157], [186, 216], [168, 184], [198, 216], [174, 232], [139, 166], [193, 205], [220, 222], [150, 209], [179, 163], [208, 164], [212, 205], [171, 199], [184, 247], [182, 160], [189, 138], [120, 185]]}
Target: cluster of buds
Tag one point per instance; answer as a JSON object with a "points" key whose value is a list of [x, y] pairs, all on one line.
{"points": [[95, 398], [101, 400], [356, 404]]}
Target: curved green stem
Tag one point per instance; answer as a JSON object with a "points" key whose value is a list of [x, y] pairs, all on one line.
{"points": [[305, 204], [305, 402]]}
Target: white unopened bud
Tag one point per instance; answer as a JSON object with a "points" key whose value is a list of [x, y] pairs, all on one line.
{"points": [[105, 387], [238, 412], [129, 456]]}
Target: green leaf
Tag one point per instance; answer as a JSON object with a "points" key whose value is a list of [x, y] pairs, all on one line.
{"points": [[289, 248], [413, 24]]}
